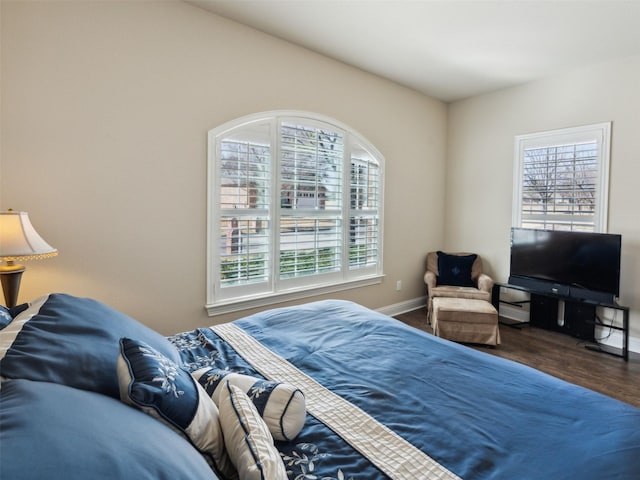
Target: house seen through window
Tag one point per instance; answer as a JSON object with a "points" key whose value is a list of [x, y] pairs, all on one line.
{"points": [[295, 205], [561, 179]]}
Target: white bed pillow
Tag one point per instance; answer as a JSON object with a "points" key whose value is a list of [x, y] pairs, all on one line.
{"points": [[247, 438], [281, 405]]}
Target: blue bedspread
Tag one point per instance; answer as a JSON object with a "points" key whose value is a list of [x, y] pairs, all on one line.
{"points": [[480, 416]]}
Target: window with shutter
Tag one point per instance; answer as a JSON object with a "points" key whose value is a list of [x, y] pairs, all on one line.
{"points": [[561, 179], [295, 209]]}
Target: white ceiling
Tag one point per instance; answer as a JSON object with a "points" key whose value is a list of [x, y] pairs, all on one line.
{"points": [[450, 49]]}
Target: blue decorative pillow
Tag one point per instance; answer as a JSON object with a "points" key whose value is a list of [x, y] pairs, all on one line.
{"points": [[8, 314], [455, 269], [281, 405], [161, 388], [72, 341], [18, 309], [57, 432], [5, 317]]}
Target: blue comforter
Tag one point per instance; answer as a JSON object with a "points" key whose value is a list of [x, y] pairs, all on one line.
{"points": [[480, 416]]}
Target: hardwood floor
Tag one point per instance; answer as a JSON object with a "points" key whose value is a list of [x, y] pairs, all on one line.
{"points": [[561, 356]]}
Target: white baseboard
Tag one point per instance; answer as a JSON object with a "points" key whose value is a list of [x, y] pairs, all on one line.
{"points": [[613, 340], [402, 307], [514, 313]]}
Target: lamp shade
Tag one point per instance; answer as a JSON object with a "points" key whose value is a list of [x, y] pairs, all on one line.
{"points": [[19, 240]]}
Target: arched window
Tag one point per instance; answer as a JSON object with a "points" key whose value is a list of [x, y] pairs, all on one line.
{"points": [[295, 209]]}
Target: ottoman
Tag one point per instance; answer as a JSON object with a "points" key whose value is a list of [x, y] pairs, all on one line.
{"points": [[465, 320]]}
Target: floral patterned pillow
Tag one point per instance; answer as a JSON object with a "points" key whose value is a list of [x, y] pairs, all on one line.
{"points": [[5, 317], [159, 387]]}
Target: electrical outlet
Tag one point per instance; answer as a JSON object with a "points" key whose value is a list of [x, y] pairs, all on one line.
{"points": [[398, 285]]}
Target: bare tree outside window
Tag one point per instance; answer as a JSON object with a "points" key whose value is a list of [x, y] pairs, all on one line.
{"points": [[562, 179]]}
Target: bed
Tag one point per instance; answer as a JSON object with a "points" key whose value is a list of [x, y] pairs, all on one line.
{"points": [[380, 400]]}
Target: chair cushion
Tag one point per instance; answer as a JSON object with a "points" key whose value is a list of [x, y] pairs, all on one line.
{"points": [[464, 310], [455, 269], [460, 292]]}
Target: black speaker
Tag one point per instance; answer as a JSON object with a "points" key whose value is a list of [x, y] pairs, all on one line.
{"points": [[579, 319], [543, 312]]}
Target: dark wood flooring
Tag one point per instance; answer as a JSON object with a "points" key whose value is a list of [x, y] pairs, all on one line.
{"points": [[561, 356]]}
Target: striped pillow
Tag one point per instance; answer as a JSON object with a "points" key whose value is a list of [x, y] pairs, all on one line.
{"points": [[281, 405], [248, 441]]}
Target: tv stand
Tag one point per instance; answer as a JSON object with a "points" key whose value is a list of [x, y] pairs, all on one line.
{"points": [[580, 318]]}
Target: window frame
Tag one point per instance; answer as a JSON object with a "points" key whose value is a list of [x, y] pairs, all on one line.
{"points": [[276, 289], [599, 133]]}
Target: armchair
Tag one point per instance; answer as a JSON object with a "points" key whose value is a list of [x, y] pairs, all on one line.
{"points": [[456, 275]]}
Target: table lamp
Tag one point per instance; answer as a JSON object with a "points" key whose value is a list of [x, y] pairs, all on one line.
{"points": [[18, 241]]}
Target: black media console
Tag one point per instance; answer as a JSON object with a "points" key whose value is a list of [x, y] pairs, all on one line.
{"points": [[580, 317]]}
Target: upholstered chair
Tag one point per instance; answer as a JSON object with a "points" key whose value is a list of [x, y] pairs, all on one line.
{"points": [[456, 275]]}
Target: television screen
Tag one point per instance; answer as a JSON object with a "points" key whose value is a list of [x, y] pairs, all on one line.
{"points": [[571, 264]]}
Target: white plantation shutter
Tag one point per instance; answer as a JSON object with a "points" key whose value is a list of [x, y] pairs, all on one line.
{"points": [[311, 178], [295, 203], [243, 198], [561, 179], [364, 214]]}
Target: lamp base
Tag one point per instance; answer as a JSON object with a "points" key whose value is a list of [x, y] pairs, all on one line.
{"points": [[10, 275]]}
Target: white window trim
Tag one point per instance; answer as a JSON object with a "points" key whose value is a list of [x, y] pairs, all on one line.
{"points": [[601, 132], [371, 275], [258, 301]]}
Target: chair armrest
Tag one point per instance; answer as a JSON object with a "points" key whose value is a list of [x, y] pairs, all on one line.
{"points": [[485, 283], [430, 279]]}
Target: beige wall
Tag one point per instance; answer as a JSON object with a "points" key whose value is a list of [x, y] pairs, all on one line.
{"points": [[105, 113], [481, 150]]}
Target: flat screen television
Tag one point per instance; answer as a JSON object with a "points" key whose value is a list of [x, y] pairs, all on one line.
{"points": [[579, 265]]}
